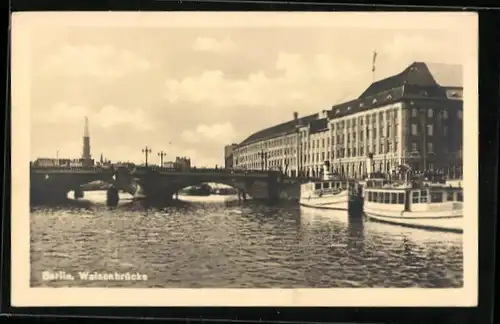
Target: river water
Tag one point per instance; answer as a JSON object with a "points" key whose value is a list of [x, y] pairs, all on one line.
{"points": [[220, 243]]}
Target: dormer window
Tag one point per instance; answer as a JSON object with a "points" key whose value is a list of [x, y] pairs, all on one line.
{"points": [[389, 97], [348, 108], [374, 101], [361, 104], [337, 111], [424, 93]]}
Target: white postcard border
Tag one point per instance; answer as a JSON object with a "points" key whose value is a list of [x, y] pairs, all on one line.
{"points": [[466, 24]]}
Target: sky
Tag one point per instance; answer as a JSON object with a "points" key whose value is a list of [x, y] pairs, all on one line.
{"points": [[191, 90]]}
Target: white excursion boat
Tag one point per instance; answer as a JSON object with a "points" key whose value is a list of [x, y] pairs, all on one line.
{"points": [[418, 205], [331, 192]]}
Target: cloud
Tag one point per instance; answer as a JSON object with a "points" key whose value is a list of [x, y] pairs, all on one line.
{"points": [[111, 116], [94, 60], [107, 117], [206, 44], [219, 133], [420, 48], [293, 84]]}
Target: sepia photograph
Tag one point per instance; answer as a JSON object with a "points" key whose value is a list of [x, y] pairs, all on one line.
{"points": [[251, 159]]}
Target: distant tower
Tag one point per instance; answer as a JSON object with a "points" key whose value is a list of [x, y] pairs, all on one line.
{"points": [[86, 143]]}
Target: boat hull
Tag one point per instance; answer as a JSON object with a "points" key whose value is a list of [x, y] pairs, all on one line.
{"points": [[336, 202], [447, 221]]}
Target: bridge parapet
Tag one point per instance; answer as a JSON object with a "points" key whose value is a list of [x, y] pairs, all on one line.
{"points": [[71, 170], [204, 172]]}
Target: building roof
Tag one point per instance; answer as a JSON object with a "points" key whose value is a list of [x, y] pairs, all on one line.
{"points": [[318, 125], [418, 79], [282, 128], [444, 75]]}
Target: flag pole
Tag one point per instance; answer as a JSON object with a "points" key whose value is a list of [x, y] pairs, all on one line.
{"points": [[373, 65]]}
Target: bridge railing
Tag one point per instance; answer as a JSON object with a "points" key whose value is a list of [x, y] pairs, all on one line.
{"points": [[71, 169], [202, 170]]}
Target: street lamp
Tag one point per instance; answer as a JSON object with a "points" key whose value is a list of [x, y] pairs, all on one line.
{"points": [[146, 152], [161, 154]]}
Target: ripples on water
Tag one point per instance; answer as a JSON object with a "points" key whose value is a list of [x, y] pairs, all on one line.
{"points": [[224, 244]]}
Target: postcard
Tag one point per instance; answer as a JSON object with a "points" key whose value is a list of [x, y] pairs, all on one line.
{"points": [[244, 159]]}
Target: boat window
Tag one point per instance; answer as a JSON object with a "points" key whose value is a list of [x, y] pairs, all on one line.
{"points": [[326, 185], [460, 196], [449, 196], [394, 198], [317, 186], [380, 197], [387, 198], [415, 197], [423, 196], [369, 196], [436, 197], [401, 198]]}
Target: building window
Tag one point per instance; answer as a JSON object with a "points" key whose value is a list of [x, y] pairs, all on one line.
{"points": [[445, 131], [361, 149], [413, 147], [445, 114], [354, 151], [430, 113], [414, 112], [395, 146], [430, 130], [460, 114], [430, 149], [381, 147], [414, 131], [361, 135]]}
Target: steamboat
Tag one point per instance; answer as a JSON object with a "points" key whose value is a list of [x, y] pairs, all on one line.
{"points": [[416, 203], [332, 191]]}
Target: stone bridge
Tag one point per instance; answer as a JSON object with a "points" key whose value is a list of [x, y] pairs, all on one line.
{"points": [[53, 184], [262, 185]]}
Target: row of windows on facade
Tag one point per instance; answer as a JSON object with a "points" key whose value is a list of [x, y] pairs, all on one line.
{"points": [[346, 153], [430, 113], [387, 117], [417, 197], [352, 123]]}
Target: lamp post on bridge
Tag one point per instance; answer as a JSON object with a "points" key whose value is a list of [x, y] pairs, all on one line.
{"points": [[146, 152], [161, 154]]}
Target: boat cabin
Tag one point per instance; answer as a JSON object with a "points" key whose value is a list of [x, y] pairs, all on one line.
{"points": [[415, 199], [328, 186]]}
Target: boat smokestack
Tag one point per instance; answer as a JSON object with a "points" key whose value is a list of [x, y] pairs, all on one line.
{"points": [[326, 171]]}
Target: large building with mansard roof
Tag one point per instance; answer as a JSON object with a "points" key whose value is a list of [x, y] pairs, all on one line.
{"points": [[413, 118]]}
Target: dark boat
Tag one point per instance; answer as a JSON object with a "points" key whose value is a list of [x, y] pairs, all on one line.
{"points": [[200, 190]]}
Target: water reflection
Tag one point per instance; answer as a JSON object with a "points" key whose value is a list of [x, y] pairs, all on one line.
{"points": [[231, 244]]}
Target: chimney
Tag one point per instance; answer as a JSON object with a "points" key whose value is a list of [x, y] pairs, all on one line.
{"points": [[296, 118]]}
